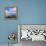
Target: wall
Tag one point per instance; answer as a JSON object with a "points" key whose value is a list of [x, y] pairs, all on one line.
{"points": [[29, 12]]}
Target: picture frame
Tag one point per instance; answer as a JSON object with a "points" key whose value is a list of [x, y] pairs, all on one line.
{"points": [[39, 28], [10, 12]]}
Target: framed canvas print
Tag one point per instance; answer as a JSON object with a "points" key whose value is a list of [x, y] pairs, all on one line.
{"points": [[32, 32], [10, 12]]}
